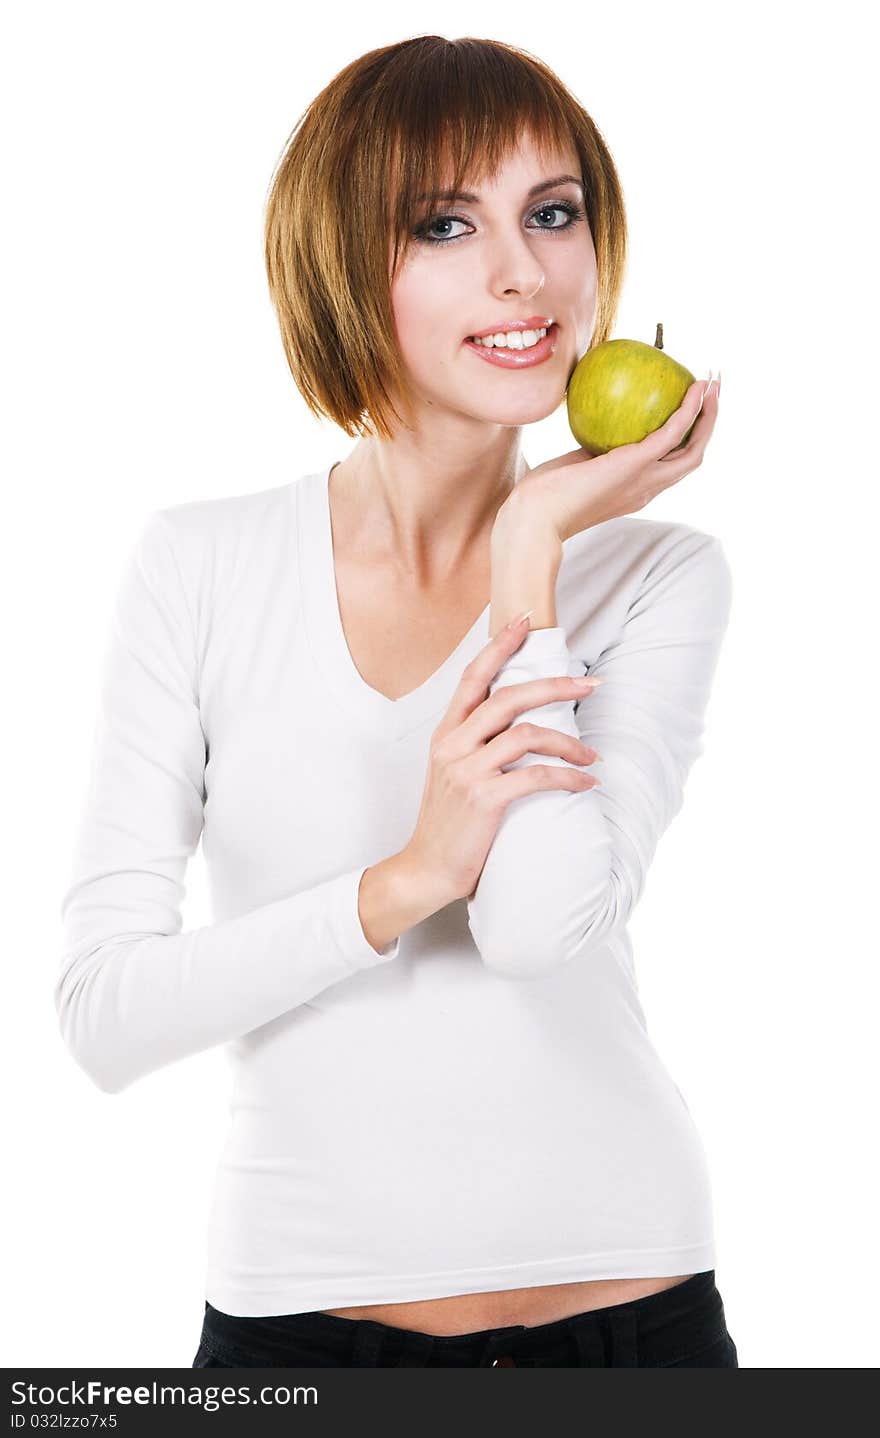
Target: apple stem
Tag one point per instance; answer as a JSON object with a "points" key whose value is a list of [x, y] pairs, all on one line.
{"points": [[658, 339]]}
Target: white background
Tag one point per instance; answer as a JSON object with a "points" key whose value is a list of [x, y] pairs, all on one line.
{"points": [[142, 366]]}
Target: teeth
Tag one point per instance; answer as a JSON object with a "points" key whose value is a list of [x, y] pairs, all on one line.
{"points": [[513, 339]]}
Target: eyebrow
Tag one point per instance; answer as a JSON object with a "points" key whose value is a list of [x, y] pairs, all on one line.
{"points": [[475, 199]]}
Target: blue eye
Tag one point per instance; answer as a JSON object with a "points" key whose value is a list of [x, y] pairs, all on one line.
{"points": [[575, 214]]}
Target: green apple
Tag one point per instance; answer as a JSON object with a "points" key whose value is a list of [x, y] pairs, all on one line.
{"points": [[622, 391]]}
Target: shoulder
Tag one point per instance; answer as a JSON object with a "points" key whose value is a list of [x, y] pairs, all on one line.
{"points": [[225, 522], [225, 538], [214, 549]]}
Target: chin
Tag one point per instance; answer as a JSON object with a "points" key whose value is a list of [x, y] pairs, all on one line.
{"points": [[530, 409]]}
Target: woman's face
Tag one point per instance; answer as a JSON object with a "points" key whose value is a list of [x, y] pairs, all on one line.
{"points": [[509, 256]]}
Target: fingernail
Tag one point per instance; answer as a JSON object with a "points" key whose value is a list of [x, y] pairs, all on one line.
{"points": [[705, 387], [586, 682], [521, 619]]}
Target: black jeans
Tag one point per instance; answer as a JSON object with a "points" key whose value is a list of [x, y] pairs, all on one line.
{"points": [[681, 1327]]}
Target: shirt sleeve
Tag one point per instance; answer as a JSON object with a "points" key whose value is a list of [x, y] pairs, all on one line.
{"points": [[566, 869], [135, 993]]}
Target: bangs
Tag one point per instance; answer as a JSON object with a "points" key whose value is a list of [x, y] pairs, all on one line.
{"points": [[453, 114]]}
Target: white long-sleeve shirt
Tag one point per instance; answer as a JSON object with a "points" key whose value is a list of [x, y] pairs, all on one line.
{"points": [[479, 1105]]}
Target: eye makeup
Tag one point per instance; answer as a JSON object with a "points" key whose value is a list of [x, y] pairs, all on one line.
{"points": [[576, 214]]}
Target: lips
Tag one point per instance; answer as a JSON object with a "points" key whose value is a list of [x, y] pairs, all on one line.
{"points": [[535, 322], [511, 359]]}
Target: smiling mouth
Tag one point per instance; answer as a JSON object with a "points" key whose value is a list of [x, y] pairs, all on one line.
{"points": [[522, 339], [517, 357]]}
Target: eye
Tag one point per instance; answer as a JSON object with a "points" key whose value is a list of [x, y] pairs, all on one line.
{"points": [[573, 213]]}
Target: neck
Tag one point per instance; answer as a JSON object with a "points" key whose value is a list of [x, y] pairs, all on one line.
{"points": [[425, 513]]}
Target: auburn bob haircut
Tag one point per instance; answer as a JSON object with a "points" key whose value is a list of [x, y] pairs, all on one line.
{"points": [[419, 116]]}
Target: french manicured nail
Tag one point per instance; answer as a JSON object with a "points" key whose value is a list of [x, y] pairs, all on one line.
{"points": [[587, 682], [520, 619]]}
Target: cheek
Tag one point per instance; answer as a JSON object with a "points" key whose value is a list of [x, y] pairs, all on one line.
{"points": [[407, 303], [425, 307], [583, 287], [583, 272]]}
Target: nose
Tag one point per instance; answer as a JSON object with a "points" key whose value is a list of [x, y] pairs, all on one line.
{"points": [[517, 270]]}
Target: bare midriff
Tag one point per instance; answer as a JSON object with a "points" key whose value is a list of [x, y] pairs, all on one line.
{"points": [[473, 1312]]}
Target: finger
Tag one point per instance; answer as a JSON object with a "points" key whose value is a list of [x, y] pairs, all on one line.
{"points": [[473, 686], [492, 716], [670, 434], [532, 777], [686, 456], [529, 738]]}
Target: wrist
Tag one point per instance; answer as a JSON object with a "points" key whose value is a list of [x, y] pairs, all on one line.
{"points": [[416, 889], [423, 891], [526, 553]]}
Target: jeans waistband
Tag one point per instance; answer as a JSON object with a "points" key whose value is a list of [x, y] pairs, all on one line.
{"points": [[658, 1328]]}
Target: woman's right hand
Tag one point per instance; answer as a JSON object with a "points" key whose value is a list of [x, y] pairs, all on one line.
{"points": [[466, 791]]}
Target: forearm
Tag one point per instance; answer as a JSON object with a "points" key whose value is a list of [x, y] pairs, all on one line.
{"points": [[130, 1002], [566, 870], [394, 895], [544, 853], [526, 556]]}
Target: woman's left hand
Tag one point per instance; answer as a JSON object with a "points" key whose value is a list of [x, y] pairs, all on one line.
{"points": [[579, 490]]}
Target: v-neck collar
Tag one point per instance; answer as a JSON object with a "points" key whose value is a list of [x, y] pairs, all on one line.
{"points": [[393, 717]]}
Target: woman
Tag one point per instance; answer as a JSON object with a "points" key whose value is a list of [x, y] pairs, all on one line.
{"points": [[452, 1141]]}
